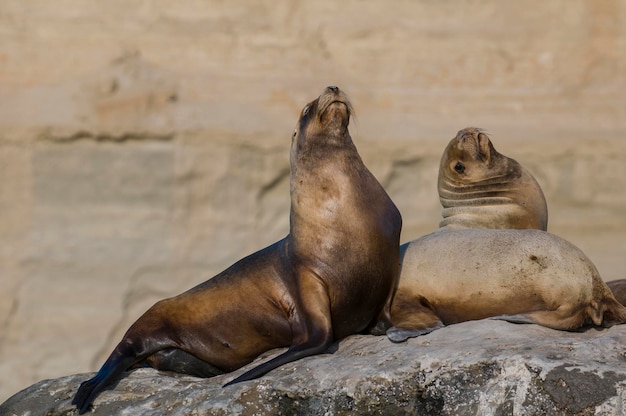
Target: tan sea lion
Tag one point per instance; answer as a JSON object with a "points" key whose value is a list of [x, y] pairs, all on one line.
{"points": [[329, 278], [526, 276], [481, 188], [618, 287]]}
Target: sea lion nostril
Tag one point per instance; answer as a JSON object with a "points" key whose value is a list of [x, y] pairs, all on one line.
{"points": [[333, 88]]}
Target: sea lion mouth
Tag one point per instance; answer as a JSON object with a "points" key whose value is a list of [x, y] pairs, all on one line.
{"points": [[333, 95]]}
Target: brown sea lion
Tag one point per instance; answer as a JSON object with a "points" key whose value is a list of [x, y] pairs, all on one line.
{"points": [[526, 276], [481, 188], [327, 279], [618, 287]]}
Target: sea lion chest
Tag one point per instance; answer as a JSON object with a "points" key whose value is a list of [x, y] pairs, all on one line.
{"points": [[345, 228]]}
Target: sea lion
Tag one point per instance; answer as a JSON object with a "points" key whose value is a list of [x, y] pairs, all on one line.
{"points": [[327, 279], [481, 188], [618, 287], [526, 276]]}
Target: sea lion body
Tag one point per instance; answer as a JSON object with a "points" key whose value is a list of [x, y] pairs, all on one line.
{"points": [[532, 276], [329, 278], [481, 188]]}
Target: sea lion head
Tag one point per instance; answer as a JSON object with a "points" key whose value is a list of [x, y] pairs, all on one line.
{"points": [[481, 188], [325, 120], [470, 157]]}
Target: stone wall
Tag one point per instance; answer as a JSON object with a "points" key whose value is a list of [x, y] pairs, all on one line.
{"points": [[144, 147]]}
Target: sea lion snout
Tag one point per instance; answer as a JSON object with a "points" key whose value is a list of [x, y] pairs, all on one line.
{"points": [[468, 133], [334, 108], [463, 134], [333, 94]]}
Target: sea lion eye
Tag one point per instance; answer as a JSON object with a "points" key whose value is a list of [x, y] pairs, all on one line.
{"points": [[459, 167], [306, 110]]}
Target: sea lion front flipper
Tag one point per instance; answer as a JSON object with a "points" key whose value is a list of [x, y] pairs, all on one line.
{"points": [[514, 319], [411, 316], [402, 334], [312, 328]]}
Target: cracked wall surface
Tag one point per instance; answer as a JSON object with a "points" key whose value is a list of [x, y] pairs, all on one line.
{"points": [[145, 148]]}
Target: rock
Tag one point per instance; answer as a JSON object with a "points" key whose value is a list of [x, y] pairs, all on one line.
{"points": [[474, 368]]}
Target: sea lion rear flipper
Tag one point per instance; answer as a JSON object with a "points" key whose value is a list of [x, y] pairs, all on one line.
{"points": [[312, 330], [116, 364], [562, 319], [615, 311], [618, 287]]}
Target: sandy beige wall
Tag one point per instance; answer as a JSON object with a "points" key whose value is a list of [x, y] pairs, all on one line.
{"points": [[144, 147]]}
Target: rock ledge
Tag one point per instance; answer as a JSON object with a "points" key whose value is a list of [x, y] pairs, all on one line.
{"points": [[475, 368]]}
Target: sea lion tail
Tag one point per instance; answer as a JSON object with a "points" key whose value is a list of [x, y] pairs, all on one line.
{"points": [[120, 360]]}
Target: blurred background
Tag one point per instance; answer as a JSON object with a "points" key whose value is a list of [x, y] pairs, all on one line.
{"points": [[144, 145]]}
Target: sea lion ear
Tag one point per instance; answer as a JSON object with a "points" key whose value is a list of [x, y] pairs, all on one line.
{"points": [[485, 148]]}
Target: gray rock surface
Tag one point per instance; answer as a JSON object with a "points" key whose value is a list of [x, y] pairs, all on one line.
{"points": [[484, 367]]}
